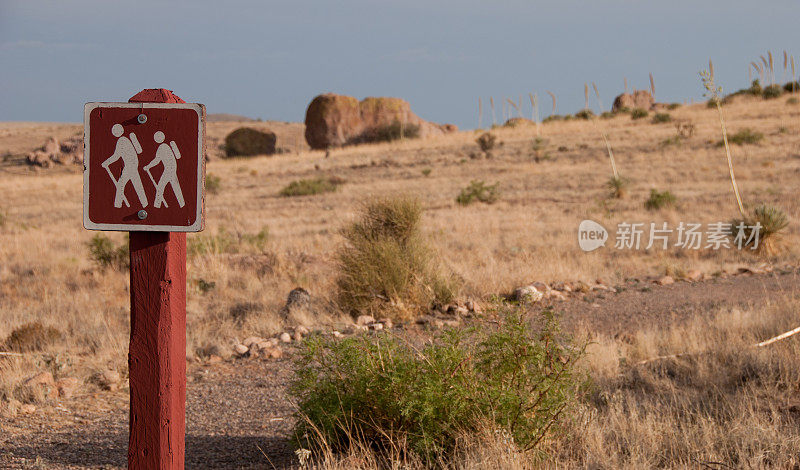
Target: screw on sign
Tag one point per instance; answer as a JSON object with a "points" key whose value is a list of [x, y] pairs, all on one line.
{"points": [[144, 173]]}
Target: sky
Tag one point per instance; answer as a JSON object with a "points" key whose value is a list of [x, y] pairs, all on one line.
{"points": [[268, 59]]}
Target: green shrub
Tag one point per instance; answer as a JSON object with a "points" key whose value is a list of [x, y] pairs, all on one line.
{"points": [[792, 100], [486, 142], [659, 118], [607, 115], [755, 88], [584, 114], [675, 140], [213, 183], [772, 91], [553, 117], [378, 391], [639, 113], [426, 171], [106, 254], [744, 136], [673, 106], [480, 192], [386, 266], [31, 337], [658, 200], [791, 87], [388, 133], [244, 142], [308, 187], [618, 186]]}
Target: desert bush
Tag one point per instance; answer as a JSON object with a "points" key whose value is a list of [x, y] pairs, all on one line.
{"points": [[618, 186], [386, 265], [388, 133], [244, 142], [658, 200], [773, 222], [380, 391], [744, 136], [308, 187], [486, 142], [426, 171], [584, 114], [106, 254], [792, 100], [639, 113], [772, 91], [607, 115], [791, 87], [480, 192], [673, 106], [31, 337], [659, 118], [553, 117], [675, 140], [213, 183]]}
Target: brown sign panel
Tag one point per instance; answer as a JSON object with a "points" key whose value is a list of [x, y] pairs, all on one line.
{"points": [[143, 166]]}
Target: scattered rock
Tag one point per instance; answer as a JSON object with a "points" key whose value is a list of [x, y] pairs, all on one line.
{"points": [[527, 294], [562, 287], [640, 99], [665, 281], [251, 341], [40, 379], [27, 409], [213, 359], [245, 142], [67, 386], [556, 295], [285, 338], [387, 323], [298, 336], [70, 151], [694, 275], [376, 326], [302, 330], [241, 349], [274, 352], [364, 320], [336, 334]]}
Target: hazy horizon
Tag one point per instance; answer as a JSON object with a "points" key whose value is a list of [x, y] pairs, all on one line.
{"points": [[269, 59]]}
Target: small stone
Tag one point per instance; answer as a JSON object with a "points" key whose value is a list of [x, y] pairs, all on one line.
{"points": [[298, 336], [265, 345], [241, 349], [556, 295], [376, 326], [527, 294], [473, 306], [302, 330], [214, 359], [276, 352], [252, 340], [336, 334], [665, 281], [285, 338], [387, 323], [67, 386], [27, 409], [694, 275], [364, 320], [253, 351]]}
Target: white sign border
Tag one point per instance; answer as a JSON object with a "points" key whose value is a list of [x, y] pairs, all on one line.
{"points": [[198, 224]]}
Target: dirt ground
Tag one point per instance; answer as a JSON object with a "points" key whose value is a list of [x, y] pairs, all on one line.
{"points": [[237, 411]]}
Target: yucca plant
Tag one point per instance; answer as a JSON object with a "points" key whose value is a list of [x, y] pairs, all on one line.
{"points": [[771, 220], [618, 186]]}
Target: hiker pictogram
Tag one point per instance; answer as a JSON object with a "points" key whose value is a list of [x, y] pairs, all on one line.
{"points": [[127, 150], [168, 156]]}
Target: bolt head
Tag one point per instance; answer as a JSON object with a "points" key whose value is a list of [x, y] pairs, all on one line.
{"points": [[142, 214], [141, 118]]}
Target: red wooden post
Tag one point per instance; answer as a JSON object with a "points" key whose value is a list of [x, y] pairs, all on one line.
{"points": [[157, 355]]}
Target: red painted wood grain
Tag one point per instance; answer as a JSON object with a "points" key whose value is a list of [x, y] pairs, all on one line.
{"points": [[157, 354]]}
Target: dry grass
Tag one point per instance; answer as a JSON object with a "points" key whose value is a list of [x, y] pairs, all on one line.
{"points": [[46, 274]]}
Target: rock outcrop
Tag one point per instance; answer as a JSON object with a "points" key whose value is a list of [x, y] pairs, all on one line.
{"points": [[245, 142], [335, 120], [640, 99], [67, 152]]}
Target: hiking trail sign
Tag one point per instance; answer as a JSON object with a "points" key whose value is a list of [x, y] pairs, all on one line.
{"points": [[143, 173], [143, 167]]}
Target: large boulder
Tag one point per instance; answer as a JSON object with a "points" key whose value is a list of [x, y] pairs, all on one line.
{"points": [[640, 99], [244, 142], [332, 120], [335, 120]]}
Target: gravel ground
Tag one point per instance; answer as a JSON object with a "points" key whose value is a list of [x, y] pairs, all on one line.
{"points": [[237, 413]]}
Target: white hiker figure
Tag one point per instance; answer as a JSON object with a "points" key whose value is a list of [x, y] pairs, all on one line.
{"points": [[167, 155], [127, 150]]}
